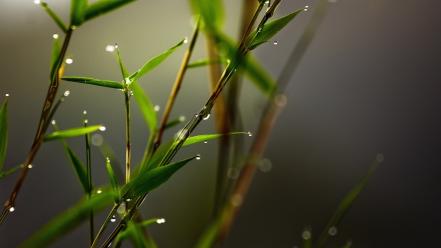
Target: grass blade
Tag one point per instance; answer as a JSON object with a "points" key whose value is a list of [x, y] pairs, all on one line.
{"points": [[77, 11], [101, 7], [112, 177], [94, 81], [3, 132], [270, 29], [205, 137], [347, 201], [73, 132], [154, 62], [146, 107], [68, 220], [10, 171], [151, 179], [79, 168], [54, 17]]}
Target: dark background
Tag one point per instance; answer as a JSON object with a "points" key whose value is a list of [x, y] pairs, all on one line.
{"points": [[369, 83]]}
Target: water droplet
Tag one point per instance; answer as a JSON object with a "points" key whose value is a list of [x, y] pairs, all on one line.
{"points": [[53, 122], [55, 36], [250, 134], [198, 157], [185, 40], [206, 117], [37, 2], [236, 200], [66, 93], [30, 166], [307, 6], [128, 200], [97, 139], [113, 219], [121, 209], [380, 157], [160, 221], [182, 118], [265, 165], [84, 112], [332, 231], [157, 108], [131, 93], [7, 94], [128, 81], [69, 61], [275, 43], [305, 9], [205, 142], [11, 209], [86, 121], [99, 191], [102, 128], [110, 48], [306, 235]]}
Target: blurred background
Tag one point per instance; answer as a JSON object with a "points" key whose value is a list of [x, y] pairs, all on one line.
{"points": [[369, 83]]}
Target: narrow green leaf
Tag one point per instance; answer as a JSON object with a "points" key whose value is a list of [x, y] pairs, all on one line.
{"points": [[112, 177], [201, 63], [146, 106], [205, 137], [209, 236], [10, 171], [253, 70], [174, 122], [94, 81], [79, 168], [101, 7], [73, 132], [122, 68], [135, 234], [270, 29], [212, 13], [347, 201], [55, 57], [156, 159], [3, 132], [151, 179], [54, 17], [77, 11], [154, 62], [68, 220]]}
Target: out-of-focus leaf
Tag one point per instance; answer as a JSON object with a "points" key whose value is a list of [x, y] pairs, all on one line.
{"points": [[201, 63], [73, 132], [209, 236], [212, 13], [348, 244], [68, 220], [151, 179], [146, 106], [10, 171], [112, 177], [103, 6], [55, 57], [94, 81], [174, 122], [253, 70], [54, 17], [154, 62], [205, 137], [270, 29], [77, 11], [3, 132], [79, 168], [347, 202]]}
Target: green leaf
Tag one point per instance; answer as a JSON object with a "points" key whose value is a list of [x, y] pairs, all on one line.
{"points": [[10, 171], [347, 201], [112, 177], [3, 132], [101, 7], [151, 179], [123, 69], [73, 132], [77, 11], [154, 62], [79, 168], [205, 137], [94, 81], [212, 13], [174, 122], [55, 57], [158, 156], [146, 106], [68, 220], [270, 29], [201, 63], [54, 17]]}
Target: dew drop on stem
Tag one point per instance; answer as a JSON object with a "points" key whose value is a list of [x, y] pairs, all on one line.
{"points": [[110, 48], [69, 61], [102, 128], [250, 134], [113, 219], [206, 117], [55, 36], [198, 157], [11, 209], [7, 94], [37, 2], [160, 221], [275, 43], [157, 108], [66, 93], [332, 231], [54, 122]]}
